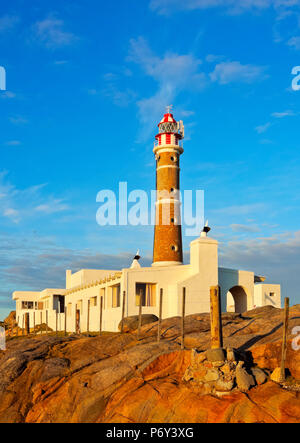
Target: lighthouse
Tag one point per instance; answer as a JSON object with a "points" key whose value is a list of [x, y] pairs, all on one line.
{"points": [[167, 250]]}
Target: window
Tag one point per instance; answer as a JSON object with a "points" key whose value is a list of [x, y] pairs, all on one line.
{"points": [[272, 294], [116, 302], [93, 301], [27, 305], [168, 127], [148, 293]]}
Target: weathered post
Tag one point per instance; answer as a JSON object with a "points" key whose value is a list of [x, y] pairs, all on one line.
{"points": [[140, 315], [23, 320], [34, 331], [182, 317], [77, 318], [123, 311], [88, 317], [216, 318], [66, 309], [101, 315], [27, 326], [47, 332], [160, 314], [41, 318], [284, 340], [56, 322]]}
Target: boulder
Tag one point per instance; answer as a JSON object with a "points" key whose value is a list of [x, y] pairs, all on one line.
{"points": [[259, 375], [131, 323], [211, 375], [214, 355], [276, 375], [11, 319], [244, 380]]}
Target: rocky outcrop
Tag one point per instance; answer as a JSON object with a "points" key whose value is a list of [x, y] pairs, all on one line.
{"points": [[130, 324], [117, 378]]}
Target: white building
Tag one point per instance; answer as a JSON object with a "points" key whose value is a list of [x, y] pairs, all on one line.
{"points": [[87, 290]]}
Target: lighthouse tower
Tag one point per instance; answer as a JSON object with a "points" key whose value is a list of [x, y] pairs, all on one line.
{"points": [[167, 249]]}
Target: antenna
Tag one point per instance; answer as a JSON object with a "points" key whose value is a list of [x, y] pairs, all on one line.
{"points": [[181, 125], [169, 109]]}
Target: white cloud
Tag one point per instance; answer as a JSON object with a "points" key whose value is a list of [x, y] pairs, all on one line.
{"points": [[8, 22], [52, 206], [263, 128], [8, 94], [51, 33], [277, 257], [233, 6], [228, 72], [244, 228], [250, 208], [173, 74], [283, 114], [295, 43], [18, 120], [13, 214], [22, 204], [13, 143]]}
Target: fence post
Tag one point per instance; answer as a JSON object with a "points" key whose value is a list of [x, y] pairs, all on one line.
{"points": [[23, 322], [66, 311], [160, 313], [284, 340], [140, 315], [123, 312], [41, 318], [34, 331], [27, 326], [216, 318], [101, 315], [88, 317], [47, 331], [182, 317], [56, 321]]}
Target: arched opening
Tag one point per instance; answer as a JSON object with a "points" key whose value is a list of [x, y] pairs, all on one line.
{"points": [[237, 300]]}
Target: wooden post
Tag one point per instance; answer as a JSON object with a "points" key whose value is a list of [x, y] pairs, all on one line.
{"points": [[216, 318], [284, 340], [123, 311], [27, 325], [56, 321], [23, 320], [160, 313], [47, 332], [41, 322], [101, 315], [34, 331], [182, 317], [88, 317], [66, 311], [140, 315]]}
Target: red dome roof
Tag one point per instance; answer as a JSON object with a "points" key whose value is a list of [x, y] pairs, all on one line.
{"points": [[168, 118]]}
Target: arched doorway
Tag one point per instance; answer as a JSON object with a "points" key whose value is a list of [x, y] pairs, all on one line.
{"points": [[237, 300]]}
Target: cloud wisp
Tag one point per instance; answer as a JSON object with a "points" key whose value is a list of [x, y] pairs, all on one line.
{"points": [[21, 204], [52, 34]]}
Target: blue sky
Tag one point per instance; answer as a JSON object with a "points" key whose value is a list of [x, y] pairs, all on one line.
{"points": [[87, 83]]}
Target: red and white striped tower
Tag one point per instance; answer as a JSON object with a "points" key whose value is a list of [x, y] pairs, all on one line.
{"points": [[167, 249]]}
